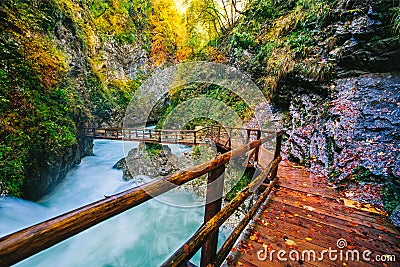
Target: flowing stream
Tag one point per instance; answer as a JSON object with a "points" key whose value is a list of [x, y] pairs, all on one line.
{"points": [[143, 236]]}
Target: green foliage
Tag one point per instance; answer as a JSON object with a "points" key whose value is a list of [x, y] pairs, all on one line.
{"points": [[391, 196], [362, 174], [153, 149], [279, 38], [196, 151], [212, 91], [241, 184], [395, 20], [242, 39], [98, 7], [35, 122]]}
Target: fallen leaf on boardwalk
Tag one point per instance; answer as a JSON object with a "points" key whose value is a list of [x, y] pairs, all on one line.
{"points": [[308, 208], [361, 206], [233, 250], [297, 167], [308, 238], [352, 224], [240, 264], [290, 242], [252, 238], [331, 185]]}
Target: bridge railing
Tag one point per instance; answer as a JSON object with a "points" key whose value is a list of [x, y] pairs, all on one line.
{"points": [[31, 240], [224, 136]]}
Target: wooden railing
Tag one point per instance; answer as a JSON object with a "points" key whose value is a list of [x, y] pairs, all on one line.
{"points": [[218, 133], [29, 241]]}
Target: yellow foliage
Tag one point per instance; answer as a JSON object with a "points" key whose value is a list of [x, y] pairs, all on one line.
{"points": [[45, 59], [182, 54], [169, 33], [216, 55], [282, 25], [114, 20], [279, 64], [80, 16]]}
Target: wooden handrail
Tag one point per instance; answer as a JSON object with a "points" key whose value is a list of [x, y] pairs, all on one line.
{"points": [[187, 251], [233, 237], [24, 243]]}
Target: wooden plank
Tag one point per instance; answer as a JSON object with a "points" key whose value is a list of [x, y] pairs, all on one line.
{"points": [[321, 232], [304, 240], [336, 204], [313, 216], [381, 233], [335, 210], [228, 244], [186, 251], [275, 240]]}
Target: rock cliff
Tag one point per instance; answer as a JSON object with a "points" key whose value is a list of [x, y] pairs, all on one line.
{"points": [[348, 128]]}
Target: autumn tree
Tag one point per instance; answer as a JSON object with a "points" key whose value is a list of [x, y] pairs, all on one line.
{"points": [[216, 16], [169, 34]]}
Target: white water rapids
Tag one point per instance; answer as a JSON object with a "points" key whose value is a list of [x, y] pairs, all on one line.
{"points": [[143, 236]]}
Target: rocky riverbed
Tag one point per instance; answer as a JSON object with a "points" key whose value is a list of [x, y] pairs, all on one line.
{"points": [[160, 163]]}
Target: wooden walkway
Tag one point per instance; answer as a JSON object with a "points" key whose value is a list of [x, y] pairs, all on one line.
{"points": [[303, 213]]}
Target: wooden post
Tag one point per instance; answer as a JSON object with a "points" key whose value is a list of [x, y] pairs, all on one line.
{"points": [[150, 133], [136, 133], [277, 153], [230, 138], [257, 149], [176, 137], [219, 134], [248, 135], [194, 137], [215, 187]]}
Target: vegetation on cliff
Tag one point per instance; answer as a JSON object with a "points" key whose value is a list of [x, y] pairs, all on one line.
{"points": [[67, 62]]}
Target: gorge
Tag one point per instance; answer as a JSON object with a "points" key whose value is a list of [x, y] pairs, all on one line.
{"points": [[328, 69]]}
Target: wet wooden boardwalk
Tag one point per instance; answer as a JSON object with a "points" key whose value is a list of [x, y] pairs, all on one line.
{"points": [[305, 214]]}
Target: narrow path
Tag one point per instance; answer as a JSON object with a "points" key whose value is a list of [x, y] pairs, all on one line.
{"points": [[304, 214]]}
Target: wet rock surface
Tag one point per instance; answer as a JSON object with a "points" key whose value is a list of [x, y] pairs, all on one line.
{"points": [[138, 162], [353, 136], [347, 128], [47, 174], [395, 217], [361, 38]]}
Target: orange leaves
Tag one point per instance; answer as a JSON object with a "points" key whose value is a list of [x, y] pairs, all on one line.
{"points": [[45, 59], [169, 33]]}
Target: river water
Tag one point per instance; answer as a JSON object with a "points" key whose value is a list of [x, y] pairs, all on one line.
{"points": [[143, 236]]}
